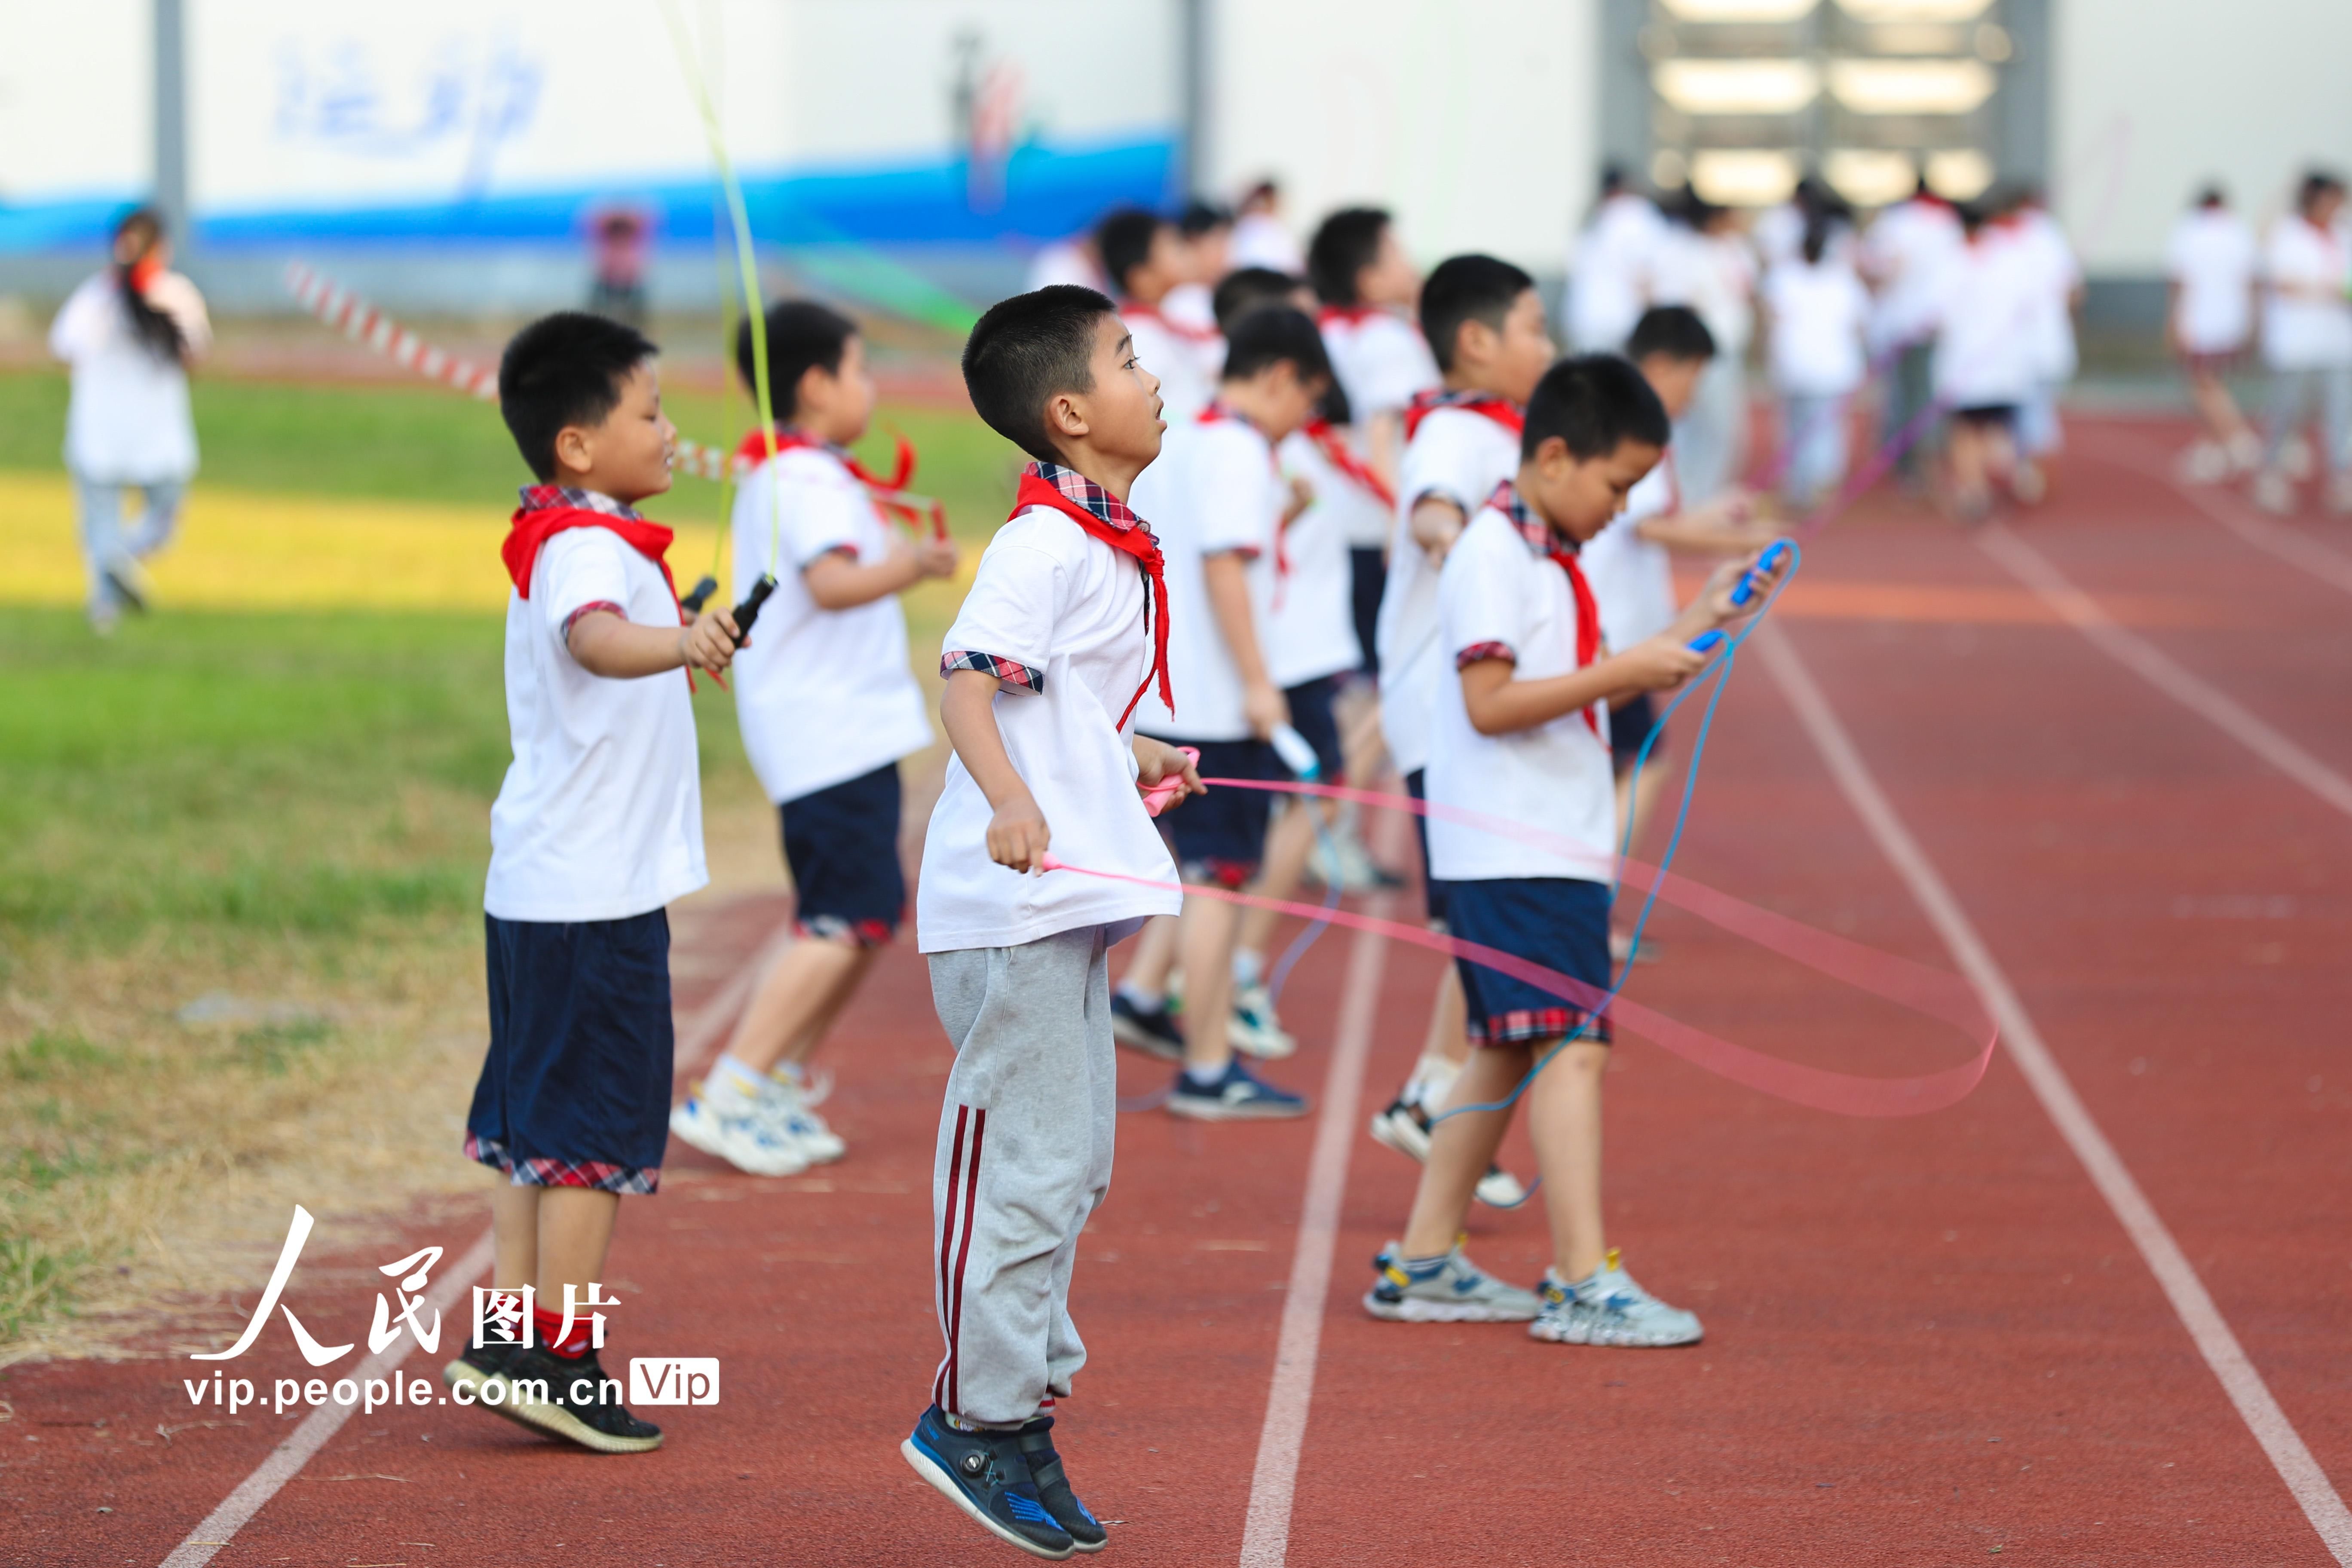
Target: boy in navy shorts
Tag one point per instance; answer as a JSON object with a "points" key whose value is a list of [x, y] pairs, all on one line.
{"points": [[828, 708], [1220, 501], [596, 828], [1063, 631], [1520, 734]]}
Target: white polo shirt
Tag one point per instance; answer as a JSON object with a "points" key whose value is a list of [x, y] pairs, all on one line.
{"points": [[821, 696], [1213, 491], [1497, 588], [1066, 609], [1459, 455], [1311, 620], [1381, 363], [2300, 332], [2211, 257], [601, 814], [1818, 312], [1984, 350]]}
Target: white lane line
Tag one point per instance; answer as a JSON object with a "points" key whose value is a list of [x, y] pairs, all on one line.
{"points": [[2195, 1307], [1265, 1537], [2291, 545], [2135, 653], [286, 1461]]}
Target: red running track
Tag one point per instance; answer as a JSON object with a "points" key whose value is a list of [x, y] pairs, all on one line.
{"points": [[1928, 1340]]}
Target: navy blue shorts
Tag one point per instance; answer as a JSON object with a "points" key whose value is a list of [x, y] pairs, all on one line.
{"points": [[1368, 578], [1433, 891], [1629, 727], [1220, 836], [842, 845], [1311, 716], [1560, 922], [576, 1091]]}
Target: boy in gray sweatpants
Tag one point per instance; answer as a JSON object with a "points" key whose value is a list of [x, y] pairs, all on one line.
{"points": [[1065, 626]]}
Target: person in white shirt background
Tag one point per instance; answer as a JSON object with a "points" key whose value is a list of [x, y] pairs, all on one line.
{"points": [[2057, 292], [129, 333], [1815, 312], [1985, 365], [1204, 244], [1609, 275], [2307, 339], [2209, 266], [1904, 256], [1260, 237], [1148, 261]]}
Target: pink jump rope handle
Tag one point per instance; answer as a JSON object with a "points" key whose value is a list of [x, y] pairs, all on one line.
{"points": [[1156, 798]]}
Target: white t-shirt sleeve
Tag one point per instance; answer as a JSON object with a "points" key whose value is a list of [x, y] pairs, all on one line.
{"points": [[1443, 461], [579, 568], [1393, 364], [1232, 480], [1006, 624], [819, 519], [1479, 605]]}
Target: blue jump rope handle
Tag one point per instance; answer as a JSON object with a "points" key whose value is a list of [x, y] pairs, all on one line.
{"points": [[1705, 642], [749, 610], [1745, 589], [692, 603]]}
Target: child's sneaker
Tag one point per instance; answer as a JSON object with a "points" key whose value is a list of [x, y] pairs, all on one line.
{"points": [[1084, 1531], [740, 1132], [1254, 1030], [1404, 1127], [1235, 1097], [984, 1474], [543, 1390], [1606, 1307], [794, 1123], [1151, 1030], [478, 1365], [1449, 1289]]}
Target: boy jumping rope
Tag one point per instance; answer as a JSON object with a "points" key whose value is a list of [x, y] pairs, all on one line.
{"points": [[596, 828], [1064, 631], [828, 707], [1521, 733]]}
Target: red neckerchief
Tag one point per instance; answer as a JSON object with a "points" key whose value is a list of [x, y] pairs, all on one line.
{"points": [[1112, 521], [1152, 314], [1501, 410], [1334, 448], [1347, 315], [1548, 544], [886, 493], [549, 510]]}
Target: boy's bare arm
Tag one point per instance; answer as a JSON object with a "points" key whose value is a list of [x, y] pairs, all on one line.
{"points": [[1018, 833], [837, 581], [1435, 524], [606, 643], [1725, 525], [1227, 582], [1500, 705]]}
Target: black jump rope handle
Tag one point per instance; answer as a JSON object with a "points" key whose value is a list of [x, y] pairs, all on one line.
{"points": [[749, 610], [692, 603]]}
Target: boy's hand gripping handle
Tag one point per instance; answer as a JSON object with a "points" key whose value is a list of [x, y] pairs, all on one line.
{"points": [[749, 610], [1745, 589], [1156, 798]]}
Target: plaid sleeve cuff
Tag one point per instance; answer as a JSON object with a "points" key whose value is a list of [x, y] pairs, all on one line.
{"points": [[1477, 651], [1017, 677], [572, 619]]}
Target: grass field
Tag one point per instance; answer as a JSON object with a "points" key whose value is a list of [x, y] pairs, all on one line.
{"points": [[270, 799]]}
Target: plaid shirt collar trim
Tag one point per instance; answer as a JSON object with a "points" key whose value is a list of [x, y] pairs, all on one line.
{"points": [[1541, 541], [546, 497], [1075, 486]]}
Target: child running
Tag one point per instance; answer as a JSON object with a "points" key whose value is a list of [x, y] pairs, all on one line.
{"points": [[1485, 324], [828, 708], [1063, 632], [596, 828], [1521, 733]]}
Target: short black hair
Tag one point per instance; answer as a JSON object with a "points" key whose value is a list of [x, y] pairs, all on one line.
{"points": [[1674, 331], [2212, 195], [1347, 242], [1124, 239], [1595, 403], [802, 335], [1199, 217], [1272, 335], [564, 369], [1249, 289], [2317, 183], [1027, 349], [1467, 288]]}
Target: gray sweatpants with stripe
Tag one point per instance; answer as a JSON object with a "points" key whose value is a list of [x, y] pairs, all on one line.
{"points": [[1024, 1158]]}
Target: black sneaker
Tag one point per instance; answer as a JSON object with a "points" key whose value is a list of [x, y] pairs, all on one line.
{"points": [[985, 1474], [1085, 1532], [574, 1400], [1152, 1031], [478, 1365]]}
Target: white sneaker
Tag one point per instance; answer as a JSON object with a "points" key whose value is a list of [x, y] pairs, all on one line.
{"points": [[739, 1134], [2205, 463], [790, 1122], [1255, 1031], [1404, 1127], [1340, 857], [2274, 492], [2295, 457], [1606, 1307], [2245, 451]]}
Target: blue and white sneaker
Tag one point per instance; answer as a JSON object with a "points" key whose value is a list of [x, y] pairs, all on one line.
{"points": [[1085, 1532], [984, 1474], [737, 1129], [1151, 1030], [1449, 1289], [1254, 1030], [1235, 1097], [1606, 1307]]}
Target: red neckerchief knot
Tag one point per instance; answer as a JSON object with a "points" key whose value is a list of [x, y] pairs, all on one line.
{"points": [[1501, 410], [887, 493], [549, 510], [1544, 542], [1112, 521]]}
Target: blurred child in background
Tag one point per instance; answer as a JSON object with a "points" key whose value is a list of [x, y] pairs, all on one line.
{"points": [[1906, 254], [2210, 265], [1986, 364], [1816, 310], [2307, 341], [1146, 261]]}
